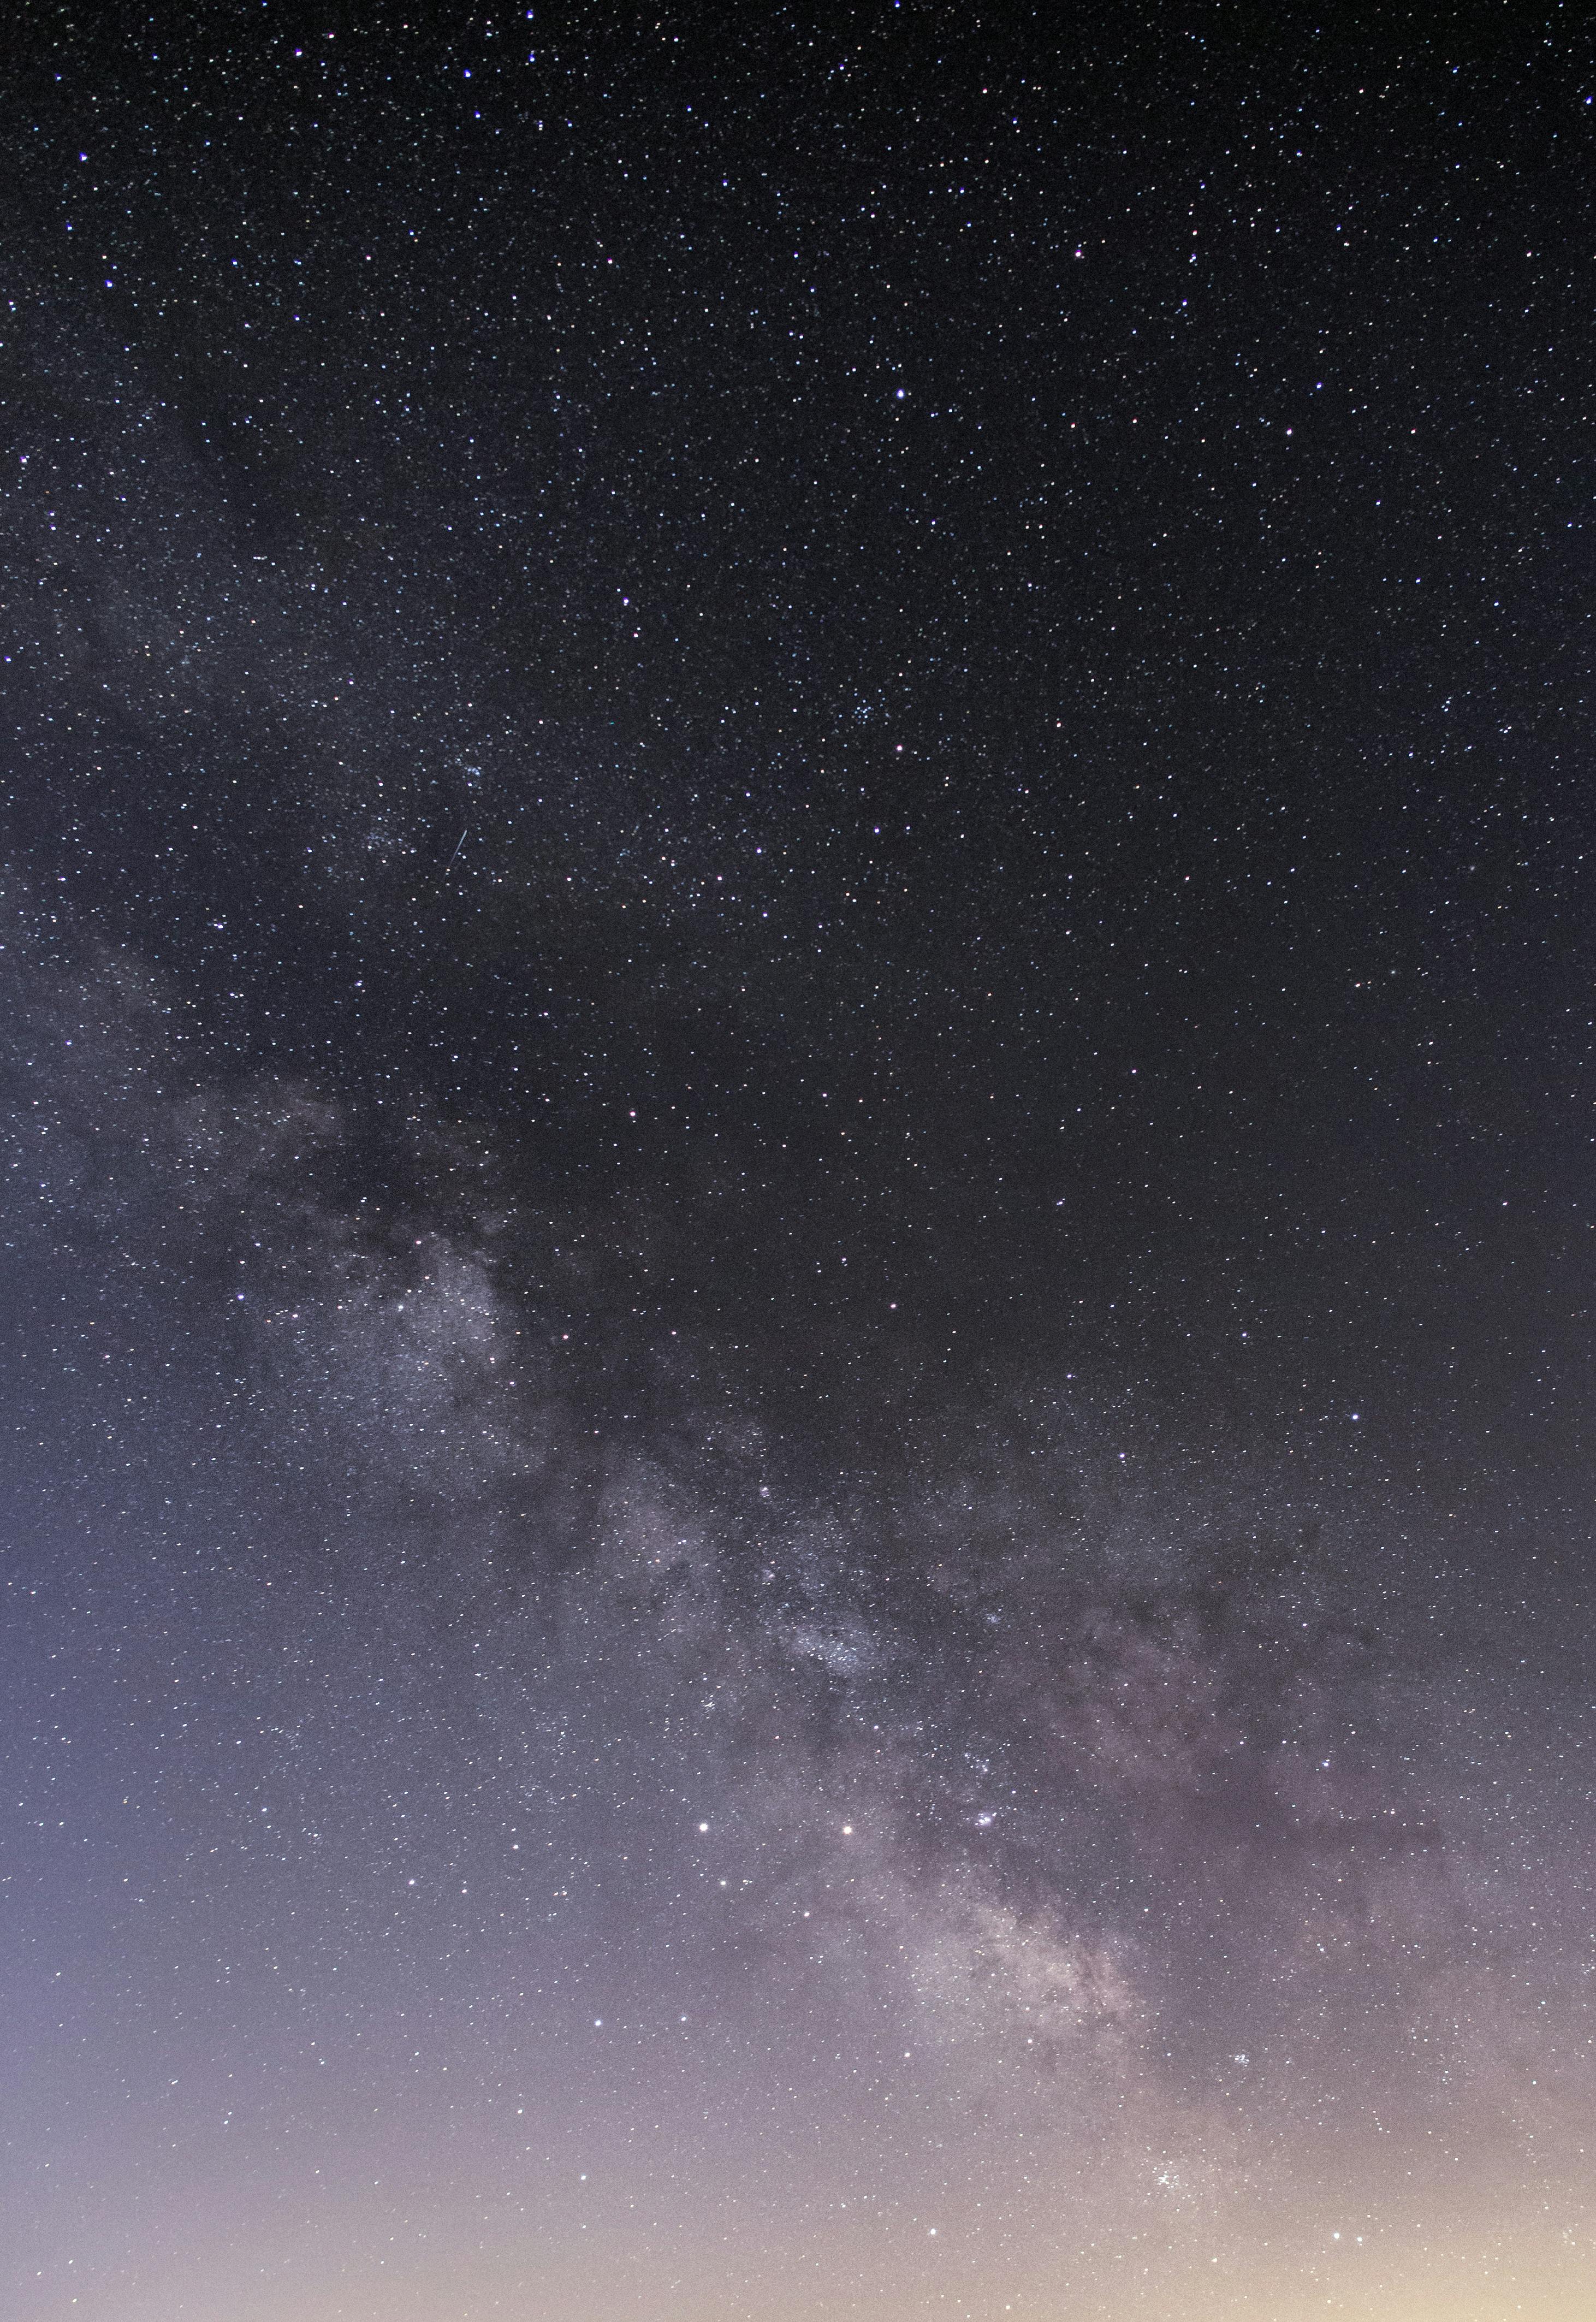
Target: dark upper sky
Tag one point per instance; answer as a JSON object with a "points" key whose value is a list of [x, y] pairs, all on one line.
{"points": [[797, 855]]}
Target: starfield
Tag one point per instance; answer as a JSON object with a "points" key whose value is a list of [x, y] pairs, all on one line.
{"points": [[797, 1198]]}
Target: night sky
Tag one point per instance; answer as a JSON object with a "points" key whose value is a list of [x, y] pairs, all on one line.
{"points": [[798, 970]]}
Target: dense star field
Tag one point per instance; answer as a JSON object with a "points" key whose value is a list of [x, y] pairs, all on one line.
{"points": [[795, 1375]]}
